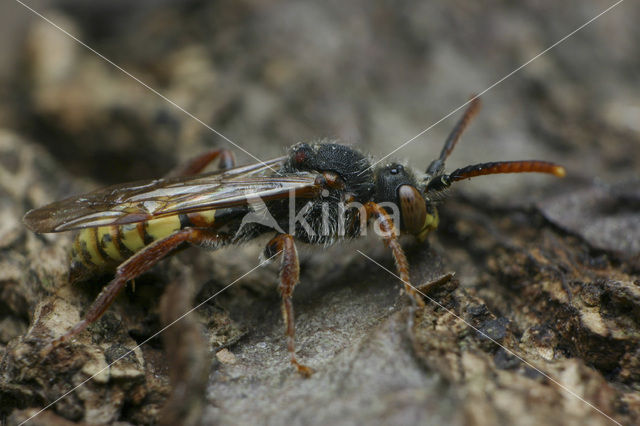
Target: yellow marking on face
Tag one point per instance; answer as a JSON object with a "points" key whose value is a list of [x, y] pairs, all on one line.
{"points": [[130, 237], [431, 222], [107, 236], [162, 227], [89, 245]]}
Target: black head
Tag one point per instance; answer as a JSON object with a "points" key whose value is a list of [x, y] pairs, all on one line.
{"points": [[397, 187]]}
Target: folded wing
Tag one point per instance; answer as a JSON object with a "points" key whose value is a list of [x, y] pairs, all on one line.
{"points": [[145, 200]]}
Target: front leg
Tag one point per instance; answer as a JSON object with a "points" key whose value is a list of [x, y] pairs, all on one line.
{"points": [[391, 240], [289, 277]]}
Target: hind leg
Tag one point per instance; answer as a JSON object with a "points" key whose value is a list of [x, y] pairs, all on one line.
{"points": [[198, 164], [137, 264], [289, 277]]}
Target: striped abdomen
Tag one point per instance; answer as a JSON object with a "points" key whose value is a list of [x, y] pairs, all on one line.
{"points": [[104, 247]]}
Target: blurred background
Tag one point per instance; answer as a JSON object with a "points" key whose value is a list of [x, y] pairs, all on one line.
{"points": [[268, 74], [372, 74]]}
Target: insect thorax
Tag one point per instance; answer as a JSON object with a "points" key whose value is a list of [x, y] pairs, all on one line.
{"points": [[350, 164]]}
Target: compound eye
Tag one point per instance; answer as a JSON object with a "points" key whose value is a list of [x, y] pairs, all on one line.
{"points": [[413, 209]]}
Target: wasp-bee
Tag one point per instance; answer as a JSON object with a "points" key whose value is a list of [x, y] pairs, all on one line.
{"points": [[128, 228]]}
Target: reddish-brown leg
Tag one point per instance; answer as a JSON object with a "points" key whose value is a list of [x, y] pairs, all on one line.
{"points": [[130, 269], [391, 240], [289, 277], [196, 165]]}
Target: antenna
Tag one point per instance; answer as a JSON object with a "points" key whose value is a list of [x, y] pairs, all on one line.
{"points": [[528, 166], [437, 166]]}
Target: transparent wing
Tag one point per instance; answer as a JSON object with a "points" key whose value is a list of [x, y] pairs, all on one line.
{"points": [[145, 200]]}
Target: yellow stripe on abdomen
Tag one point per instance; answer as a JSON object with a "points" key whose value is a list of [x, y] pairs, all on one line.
{"points": [[106, 246], [202, 219], [85, 248], [132, 237], [158, 229], [108, 240]]}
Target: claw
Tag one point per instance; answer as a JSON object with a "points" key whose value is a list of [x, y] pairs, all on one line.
{"points": [[302, 369]]}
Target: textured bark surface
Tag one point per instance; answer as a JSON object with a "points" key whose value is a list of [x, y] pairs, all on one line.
{"points": [[543, 312]]}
